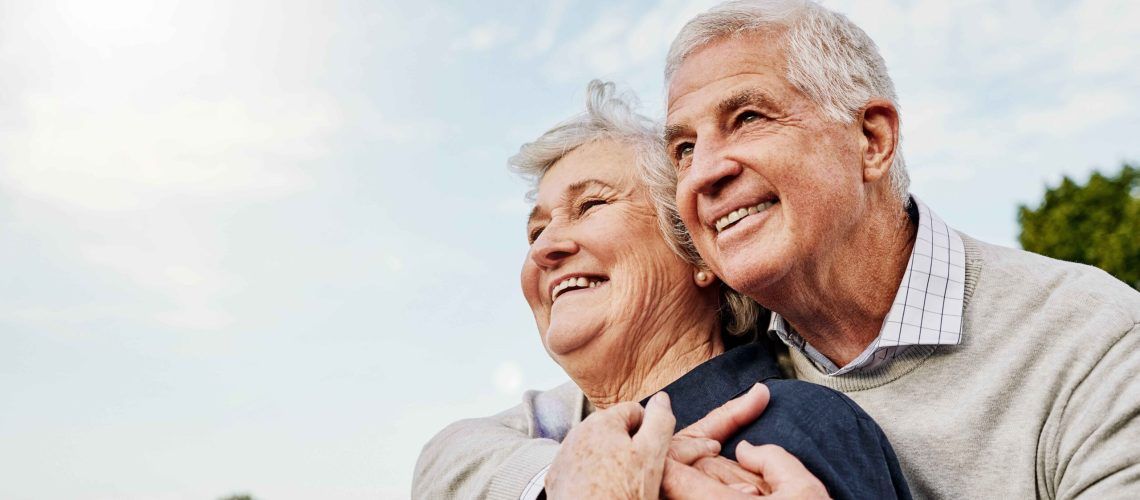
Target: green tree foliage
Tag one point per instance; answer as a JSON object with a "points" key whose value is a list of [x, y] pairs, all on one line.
{"points": [[1097, 223]]}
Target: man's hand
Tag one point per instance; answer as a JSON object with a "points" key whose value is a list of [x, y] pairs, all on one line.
{"points": [[787, 477], [618, 452], [698, 445]]}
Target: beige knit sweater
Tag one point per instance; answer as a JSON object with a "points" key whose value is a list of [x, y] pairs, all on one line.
{"points": [[1041, 399]]}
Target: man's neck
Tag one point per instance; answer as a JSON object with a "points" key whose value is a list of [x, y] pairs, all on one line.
{"points": [[838, 304]]}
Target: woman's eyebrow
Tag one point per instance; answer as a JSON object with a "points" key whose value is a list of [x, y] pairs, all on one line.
{"points": [[534, 213], [576, 189], [572, 191]]}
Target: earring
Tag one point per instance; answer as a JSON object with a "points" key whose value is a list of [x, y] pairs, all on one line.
{"points": [[702, 276]]}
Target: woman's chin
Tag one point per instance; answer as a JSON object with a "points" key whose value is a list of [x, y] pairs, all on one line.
{"points": [[564, 343]]}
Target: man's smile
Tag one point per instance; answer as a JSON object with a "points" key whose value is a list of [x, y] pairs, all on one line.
{"points": [[731, 218]]}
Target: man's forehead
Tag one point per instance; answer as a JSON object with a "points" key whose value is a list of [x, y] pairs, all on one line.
{"points": [[717, 62]]}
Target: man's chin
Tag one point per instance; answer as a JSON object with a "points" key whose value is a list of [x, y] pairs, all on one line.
{"points": [[753, 276]]}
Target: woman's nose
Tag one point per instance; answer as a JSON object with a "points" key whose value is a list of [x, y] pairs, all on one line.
{"points": [[551, 248]]}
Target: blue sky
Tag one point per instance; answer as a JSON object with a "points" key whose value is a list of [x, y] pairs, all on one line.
{"points": [[272, 247]]}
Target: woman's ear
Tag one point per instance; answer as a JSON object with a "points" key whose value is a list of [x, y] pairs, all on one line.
{"points": [[703, 277]]}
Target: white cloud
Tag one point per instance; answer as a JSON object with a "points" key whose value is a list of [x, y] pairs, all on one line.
{"points": [[128, 155], [620, 42], [128, 123], [546, 32], [508, 377], [395, 264], [1078, 113], [405, 131], [514, 205], [484, 37], [1103, 33]]}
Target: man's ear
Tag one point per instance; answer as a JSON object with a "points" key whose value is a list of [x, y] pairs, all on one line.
{"points": [[880, 142]]}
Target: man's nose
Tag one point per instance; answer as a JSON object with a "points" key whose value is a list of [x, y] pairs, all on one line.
{"points": [[711, 170], [552, 247]]}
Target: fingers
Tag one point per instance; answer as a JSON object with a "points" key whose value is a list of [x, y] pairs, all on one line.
{"points": [[745, 488], [688, 450], [657, 426], [627, 416], [782, 471], [729, 472], [722, 422], [683, 482]]}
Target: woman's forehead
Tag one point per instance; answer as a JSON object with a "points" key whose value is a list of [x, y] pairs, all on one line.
{"points": [[608, 163]]}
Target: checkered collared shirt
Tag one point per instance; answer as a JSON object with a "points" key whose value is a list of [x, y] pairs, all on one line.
{"points": [[927, 309]]}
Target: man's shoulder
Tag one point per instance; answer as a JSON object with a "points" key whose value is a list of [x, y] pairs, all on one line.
{"points": [[1036, 282]]}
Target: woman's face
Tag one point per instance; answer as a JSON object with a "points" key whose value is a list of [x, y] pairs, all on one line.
{"points": [[599, 277]]}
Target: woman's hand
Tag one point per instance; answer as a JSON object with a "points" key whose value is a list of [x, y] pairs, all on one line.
{"points": [[784, 474], [698, 445], [618, 452]]}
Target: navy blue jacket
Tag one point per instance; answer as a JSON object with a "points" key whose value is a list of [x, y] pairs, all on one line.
{"points": [[834, 438]]}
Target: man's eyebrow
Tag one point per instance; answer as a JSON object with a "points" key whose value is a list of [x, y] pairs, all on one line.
{"points": [[572, 191], [745, 97], [672, 132]]}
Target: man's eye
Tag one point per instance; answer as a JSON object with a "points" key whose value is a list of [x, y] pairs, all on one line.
{"points": [[748, 117], [532, 236], [682, 150]]}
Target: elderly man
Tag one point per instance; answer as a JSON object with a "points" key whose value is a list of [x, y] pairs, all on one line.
{"points": [[994, 372]]}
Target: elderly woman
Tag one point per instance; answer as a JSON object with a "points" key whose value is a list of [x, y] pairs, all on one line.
{"points": [[625, 307]]}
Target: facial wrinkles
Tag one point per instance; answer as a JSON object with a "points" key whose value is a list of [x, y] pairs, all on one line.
{"points": [[659, 303], [663, 318]]}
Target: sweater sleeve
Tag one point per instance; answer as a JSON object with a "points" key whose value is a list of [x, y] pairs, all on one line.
{"points": [[496, 457], [1097, 451]]}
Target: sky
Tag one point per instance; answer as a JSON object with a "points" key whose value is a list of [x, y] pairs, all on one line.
{"points": [[273, 247]]}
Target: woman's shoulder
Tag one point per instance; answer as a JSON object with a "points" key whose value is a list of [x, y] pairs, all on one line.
{"points": [[798, 396]]}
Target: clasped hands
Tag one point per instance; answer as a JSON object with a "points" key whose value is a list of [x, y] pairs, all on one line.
{"points": [[628, 452]]}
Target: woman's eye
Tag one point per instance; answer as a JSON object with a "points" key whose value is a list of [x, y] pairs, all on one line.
{"points": [[588, 204]]}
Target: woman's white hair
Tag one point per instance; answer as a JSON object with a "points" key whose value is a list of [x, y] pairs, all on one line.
{"points": [[613, 116], [830, 59]]}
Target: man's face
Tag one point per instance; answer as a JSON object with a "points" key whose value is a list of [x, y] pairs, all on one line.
{"points": [[767, 185]]}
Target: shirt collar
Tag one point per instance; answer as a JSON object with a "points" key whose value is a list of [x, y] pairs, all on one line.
{"points": [[928, 305]]}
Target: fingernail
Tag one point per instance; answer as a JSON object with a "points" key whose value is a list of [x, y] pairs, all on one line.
{"points": [[660, 399], [746, 445], [755, 387]]}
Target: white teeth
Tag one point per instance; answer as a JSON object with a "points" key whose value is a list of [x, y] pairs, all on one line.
{"points": [[576, 282], [741, 213]]}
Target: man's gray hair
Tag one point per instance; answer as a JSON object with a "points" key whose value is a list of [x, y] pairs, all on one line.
{"points": [[612, 116], [830, 59]]}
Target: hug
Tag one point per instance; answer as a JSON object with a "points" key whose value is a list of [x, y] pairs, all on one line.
{"points": [[749, 301]]}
